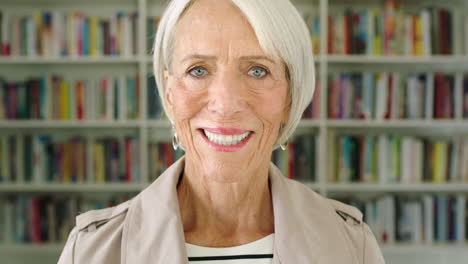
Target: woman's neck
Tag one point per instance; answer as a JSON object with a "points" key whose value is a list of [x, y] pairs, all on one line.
{"points": [[225, 213]]}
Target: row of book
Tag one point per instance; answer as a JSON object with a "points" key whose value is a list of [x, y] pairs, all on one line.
{"points": [[76, 159], [297, 161], [152, 24], [155, 109], [31, 219], [72, 33], [392, 30], [395, 95], [386, 31], [399, 159], [55, 97], [75, 34], [427, 219], [312, 21], [161, 156], [313, 109]]}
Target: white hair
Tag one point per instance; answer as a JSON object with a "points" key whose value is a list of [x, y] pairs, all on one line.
{"points": [[281, 32]]}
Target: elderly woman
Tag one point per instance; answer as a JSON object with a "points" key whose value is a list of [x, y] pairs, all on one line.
{"points": [[235, 76]]}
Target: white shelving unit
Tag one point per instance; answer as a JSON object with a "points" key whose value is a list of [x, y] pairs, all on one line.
{"points": [[148, 130], [433, 60], [15, 188], [85, 60]]}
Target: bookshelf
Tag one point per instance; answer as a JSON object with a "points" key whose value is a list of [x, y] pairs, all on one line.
{"points": [[148, 130], [364, 59], [71, 188], [102, 60]]}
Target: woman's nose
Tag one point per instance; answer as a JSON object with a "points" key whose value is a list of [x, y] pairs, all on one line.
{"points": [[226, 95]]}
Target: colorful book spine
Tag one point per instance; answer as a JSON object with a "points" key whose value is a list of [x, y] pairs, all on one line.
{"points": [[33, 219], [60, 34], [394, 30], [400, 159], [425, 220], [128, 160], [298, 160], [313, 109], [464, 99], [51, 97], [45, 159], [383, 96]]}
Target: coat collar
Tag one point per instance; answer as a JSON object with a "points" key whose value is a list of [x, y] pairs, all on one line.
{"points": [[154, 229]]}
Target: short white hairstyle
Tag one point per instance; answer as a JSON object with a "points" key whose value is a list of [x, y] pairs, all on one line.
{"points": [[281, 32]]}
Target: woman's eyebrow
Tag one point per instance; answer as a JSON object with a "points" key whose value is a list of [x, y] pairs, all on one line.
{"points": [[210, 57], [260, 57], [198, 56]]}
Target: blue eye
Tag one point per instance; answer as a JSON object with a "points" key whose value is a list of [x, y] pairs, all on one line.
{"points": [[257, 72], [197, 72]]}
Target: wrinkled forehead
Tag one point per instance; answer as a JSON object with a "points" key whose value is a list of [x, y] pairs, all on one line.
{"points": [[217, 28]]}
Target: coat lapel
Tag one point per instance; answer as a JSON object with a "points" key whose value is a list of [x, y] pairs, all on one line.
{"points": [[306, 227], [155, 231], [291, 241]]}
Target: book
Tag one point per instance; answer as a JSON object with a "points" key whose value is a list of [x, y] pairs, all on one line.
{"points": [[465, 96], [441, 214], [459, 219], [414, 96], [428, 218]]}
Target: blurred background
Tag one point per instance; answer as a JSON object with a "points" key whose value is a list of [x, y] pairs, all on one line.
{"points": [[81, 125]]}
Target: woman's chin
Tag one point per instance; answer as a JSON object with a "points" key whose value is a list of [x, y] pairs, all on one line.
{"points": [[225, 166]]}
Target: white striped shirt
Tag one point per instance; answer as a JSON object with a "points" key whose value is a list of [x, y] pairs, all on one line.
{"points": [[256, 252]]}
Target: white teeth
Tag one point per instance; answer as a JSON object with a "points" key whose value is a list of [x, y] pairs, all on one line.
{"points": [[225, 140]]}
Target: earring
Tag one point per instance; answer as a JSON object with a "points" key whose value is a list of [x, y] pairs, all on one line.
{"points": [[175, 141], [284, 145]]}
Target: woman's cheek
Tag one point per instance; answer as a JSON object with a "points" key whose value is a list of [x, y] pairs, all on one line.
{"points": [[187, 101], [270, 105]]}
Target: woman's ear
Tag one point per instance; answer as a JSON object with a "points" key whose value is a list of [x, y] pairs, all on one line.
{"points": [[166, 77], [168, 95], [287, 111]]}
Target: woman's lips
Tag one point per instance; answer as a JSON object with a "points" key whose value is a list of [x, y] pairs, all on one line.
{"points": [[225, 131], [224, 137]]}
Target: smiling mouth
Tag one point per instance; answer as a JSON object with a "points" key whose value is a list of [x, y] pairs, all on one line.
{"points": [[226, 140]]}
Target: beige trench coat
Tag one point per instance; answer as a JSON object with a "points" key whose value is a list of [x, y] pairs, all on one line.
{"points": [[148, 228]]}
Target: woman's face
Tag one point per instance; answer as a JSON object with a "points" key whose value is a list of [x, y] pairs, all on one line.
{"points": [[226, 97]]}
